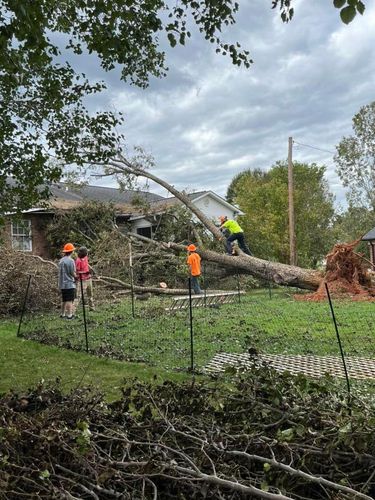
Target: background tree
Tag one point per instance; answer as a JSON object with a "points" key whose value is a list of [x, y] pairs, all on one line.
{"points": [[355, 159], [239, 179], [263, 196], [352, 224]]}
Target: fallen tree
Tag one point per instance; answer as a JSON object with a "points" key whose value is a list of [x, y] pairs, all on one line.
{"points": [[265, 270], [346, 275], [282, 274], [276, 272]]}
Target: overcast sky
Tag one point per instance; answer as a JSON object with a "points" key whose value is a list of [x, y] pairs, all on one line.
{"points": [[208, 120]]}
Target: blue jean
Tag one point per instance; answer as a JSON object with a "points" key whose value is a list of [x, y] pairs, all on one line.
{"points": [[195, 285]]}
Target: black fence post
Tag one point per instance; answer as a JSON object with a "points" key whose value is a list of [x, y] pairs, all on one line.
{"points": [[269, 283], [84, 312], [131, 278], [338, 338], [191, 330], [204, 284], [24, 306]]}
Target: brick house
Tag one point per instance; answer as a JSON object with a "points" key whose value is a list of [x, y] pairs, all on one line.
{"points": [[28, 233]]}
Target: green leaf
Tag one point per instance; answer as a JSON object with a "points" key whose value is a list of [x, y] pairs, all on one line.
{"points": [[266, 467], [285, 435], [264, 486], [44, 474], [361, 7], [172, 40], [347, 14], [346, 429], [339, 3]]}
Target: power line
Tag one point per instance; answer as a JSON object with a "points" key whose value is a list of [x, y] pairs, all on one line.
{"points": [[314, 147]]}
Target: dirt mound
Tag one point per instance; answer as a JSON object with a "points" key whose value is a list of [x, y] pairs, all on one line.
{"points": [[346, 275]]}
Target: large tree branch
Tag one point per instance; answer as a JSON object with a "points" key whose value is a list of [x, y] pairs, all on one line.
{"points": [[142, 289]]}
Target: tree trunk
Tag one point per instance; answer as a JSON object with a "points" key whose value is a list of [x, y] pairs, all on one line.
{"points": [[281, 274]]}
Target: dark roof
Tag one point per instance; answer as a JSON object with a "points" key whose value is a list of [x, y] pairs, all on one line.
{"points": [[100, 193], [369, 236]]}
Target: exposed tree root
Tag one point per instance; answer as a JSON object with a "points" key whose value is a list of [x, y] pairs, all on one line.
{"points": [[346, 276]]}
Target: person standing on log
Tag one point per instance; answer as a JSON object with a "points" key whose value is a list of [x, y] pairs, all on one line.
{"points": [[235, 233], [194, 263]]}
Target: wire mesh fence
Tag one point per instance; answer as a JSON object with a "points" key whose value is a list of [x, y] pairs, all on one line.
{"points": [[264, 322]]}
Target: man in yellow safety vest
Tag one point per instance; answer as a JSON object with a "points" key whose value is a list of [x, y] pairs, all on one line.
{"points": [[235, 233]]}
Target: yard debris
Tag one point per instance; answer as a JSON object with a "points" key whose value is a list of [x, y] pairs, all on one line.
{"points": [[15, 269], [346, 275], [43, 295], [266, 433]]}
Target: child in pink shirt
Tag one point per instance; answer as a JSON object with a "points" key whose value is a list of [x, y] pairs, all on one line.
{"points": [[84, 278]]}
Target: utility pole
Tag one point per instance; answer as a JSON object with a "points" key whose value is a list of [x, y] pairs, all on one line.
{"points": [[292, 233]]}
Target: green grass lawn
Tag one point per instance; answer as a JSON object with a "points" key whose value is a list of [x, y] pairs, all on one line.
{"points": [[158, 343], [24, 363], [279, 324]]}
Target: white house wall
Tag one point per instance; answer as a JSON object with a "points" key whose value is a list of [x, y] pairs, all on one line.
{"points": [[213, 209]]}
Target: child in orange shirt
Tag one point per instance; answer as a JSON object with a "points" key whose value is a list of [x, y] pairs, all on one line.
{"points": [[194, 263]]}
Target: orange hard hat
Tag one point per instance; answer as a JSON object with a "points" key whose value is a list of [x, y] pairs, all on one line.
{"points": [[222, 218], [69, 247], [191, 248]]}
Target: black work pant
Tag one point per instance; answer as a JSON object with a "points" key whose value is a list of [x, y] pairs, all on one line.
{"points": [[241, 243]]}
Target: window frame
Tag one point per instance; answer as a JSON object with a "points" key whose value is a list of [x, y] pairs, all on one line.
{"points": [[20, 233]]}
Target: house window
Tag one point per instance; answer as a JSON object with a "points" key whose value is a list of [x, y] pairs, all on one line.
{"points": [[145, 231], [21, 235]]}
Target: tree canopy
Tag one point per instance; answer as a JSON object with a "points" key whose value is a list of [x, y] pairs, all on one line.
{"points": [[355, 159], [44, 122], [352, 224], [263, 196]]}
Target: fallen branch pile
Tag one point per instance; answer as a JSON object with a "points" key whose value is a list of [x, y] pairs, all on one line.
{"points": [[267, 436], [15, 269]]}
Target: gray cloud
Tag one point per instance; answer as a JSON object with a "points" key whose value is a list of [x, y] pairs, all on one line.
{"points": [[208, 120]]}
